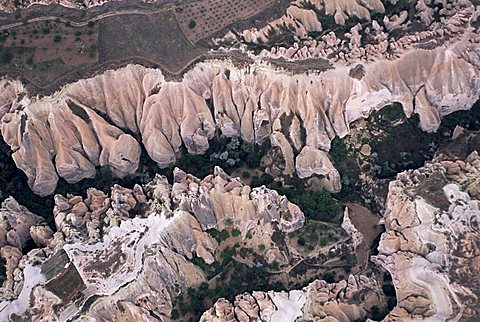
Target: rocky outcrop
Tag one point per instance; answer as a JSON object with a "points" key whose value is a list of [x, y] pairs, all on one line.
{"points": [[352, 231], [18, 226], [100, 121], [318, 301], [431, 242], [104, 265], [19, 231], [369, 40]]}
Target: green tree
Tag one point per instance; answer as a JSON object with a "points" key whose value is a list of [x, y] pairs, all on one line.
{"points": [[192, 24], [57, 39], [235, 232]]}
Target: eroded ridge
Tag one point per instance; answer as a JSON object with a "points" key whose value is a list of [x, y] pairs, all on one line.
{"points": [[432, 239], [102, 264], [103, 120]]}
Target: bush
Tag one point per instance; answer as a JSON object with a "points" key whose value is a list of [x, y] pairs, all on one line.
{"points": [[301, 241], [261, 247], [57, 39], [329, 278], [318, 205], [338, 151], [228, 222], [78, 33], [245, 174], [175, 314], [235, 233], [224, 235], [278, 237], [192, 24], [30, 60], [90, 24], [264, 179]]}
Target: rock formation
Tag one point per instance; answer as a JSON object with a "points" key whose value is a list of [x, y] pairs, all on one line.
{"points": [[104, 265], [256, 103], [367, 41], [431, 244], [318, 301]]}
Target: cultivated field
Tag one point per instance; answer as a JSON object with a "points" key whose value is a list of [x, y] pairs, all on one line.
{"points": [[53, 46], [203, 18], [155, 37]]}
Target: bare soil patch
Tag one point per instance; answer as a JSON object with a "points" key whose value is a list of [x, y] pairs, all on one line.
{"points": [[367, 223]]}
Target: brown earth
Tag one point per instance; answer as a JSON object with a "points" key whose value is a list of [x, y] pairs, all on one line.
{"points": [[154, 35], [367, 223]]}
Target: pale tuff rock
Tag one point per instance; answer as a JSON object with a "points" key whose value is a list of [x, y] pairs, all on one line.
{"points": [[319, 300], [352, 231], [312, 161], [256, 103], [431, 242], [451, 24], [129, 268], [301, 19], [341, 9], [18, 226]]}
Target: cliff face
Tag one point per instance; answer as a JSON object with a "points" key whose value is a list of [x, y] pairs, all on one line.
{"points": [[432, 241], [100, 121], [101, 264]]}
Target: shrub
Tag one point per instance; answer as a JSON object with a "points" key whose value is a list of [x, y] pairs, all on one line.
{"points": [[228, 222], [318, 205], [245, 174], [224, 235], [235, 233], [78, 33], [338, 151], [90, 24], [192, 24], [301, 241], [175, 314], [57, 39], [30, 60], [329, 277], [278, 237], [261, 247]]}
